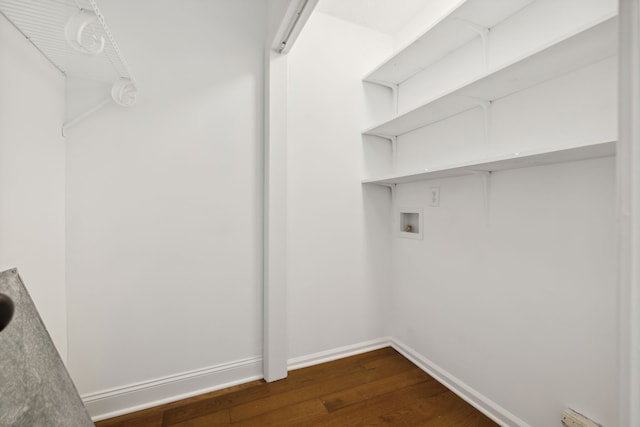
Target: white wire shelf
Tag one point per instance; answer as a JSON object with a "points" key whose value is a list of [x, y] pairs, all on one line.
{"points": [[74, 37], [43, 23]]}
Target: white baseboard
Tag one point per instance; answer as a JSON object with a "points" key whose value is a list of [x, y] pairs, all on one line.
{"points": [[337, 353], [135, 397], [124, 400], [482, 403]]}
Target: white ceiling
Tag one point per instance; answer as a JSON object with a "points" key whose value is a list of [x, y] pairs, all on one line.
{"points": [[387, 16]]}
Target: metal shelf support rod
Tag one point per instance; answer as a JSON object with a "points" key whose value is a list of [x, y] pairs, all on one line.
{"points": [[69, 124]]}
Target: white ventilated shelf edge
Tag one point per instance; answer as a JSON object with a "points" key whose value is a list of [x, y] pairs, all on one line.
{"points": [[445, 36], [511, 161], [588, 45], [43, 23]]}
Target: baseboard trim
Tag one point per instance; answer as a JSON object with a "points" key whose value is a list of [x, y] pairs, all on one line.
{"points": [[144, 395], [337, 353], [135, 397], [482, 403]]}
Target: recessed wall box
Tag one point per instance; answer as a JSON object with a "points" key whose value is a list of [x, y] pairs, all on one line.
{"points": [[410, 223]]}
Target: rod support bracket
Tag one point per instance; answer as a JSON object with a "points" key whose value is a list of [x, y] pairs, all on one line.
{"points": [[70, 123]]}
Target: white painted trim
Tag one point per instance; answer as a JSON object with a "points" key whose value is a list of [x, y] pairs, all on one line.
{"points": [[296, 17], [337, 353], [143, 395], [482, 403], [628, 201], [135, 397], [275, 219]]}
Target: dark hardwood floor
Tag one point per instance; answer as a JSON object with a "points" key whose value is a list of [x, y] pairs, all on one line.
{"points": [[379, 388]]}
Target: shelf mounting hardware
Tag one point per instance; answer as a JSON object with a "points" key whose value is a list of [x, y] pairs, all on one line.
{"points": [[486, 188], [123, 93], [75, 30], [485, 104], [392, 139], [480, 102], [70, 123], [395, 92], [392, 188], [483, 32]]}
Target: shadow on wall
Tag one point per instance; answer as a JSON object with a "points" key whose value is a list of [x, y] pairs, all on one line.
{"points": [[35, 386]]}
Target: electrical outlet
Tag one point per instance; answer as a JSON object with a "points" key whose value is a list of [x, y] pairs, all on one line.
{"points": [[571, 418], [434, 197]]}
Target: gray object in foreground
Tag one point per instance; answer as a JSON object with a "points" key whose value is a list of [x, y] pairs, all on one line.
{"points": [[35, 387]]}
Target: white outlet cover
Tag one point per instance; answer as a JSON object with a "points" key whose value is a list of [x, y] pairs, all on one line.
{"points": [[571, 418], [434, 197]]}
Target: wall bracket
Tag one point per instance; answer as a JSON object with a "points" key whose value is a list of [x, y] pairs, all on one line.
{"points": [[393, 140], [395, 91], [392, 189], [486, 190], [485, 104], [483, 32], [70, 123]]}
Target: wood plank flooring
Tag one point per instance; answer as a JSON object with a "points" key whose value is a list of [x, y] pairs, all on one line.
{"points": [[379, 388]]}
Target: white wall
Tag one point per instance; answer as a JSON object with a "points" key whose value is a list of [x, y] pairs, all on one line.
{"points": [[509, 40], [337, 234], [517, 299], [164, 214], [32, 177], [523, 309], [164, 202], [514, 297]]}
